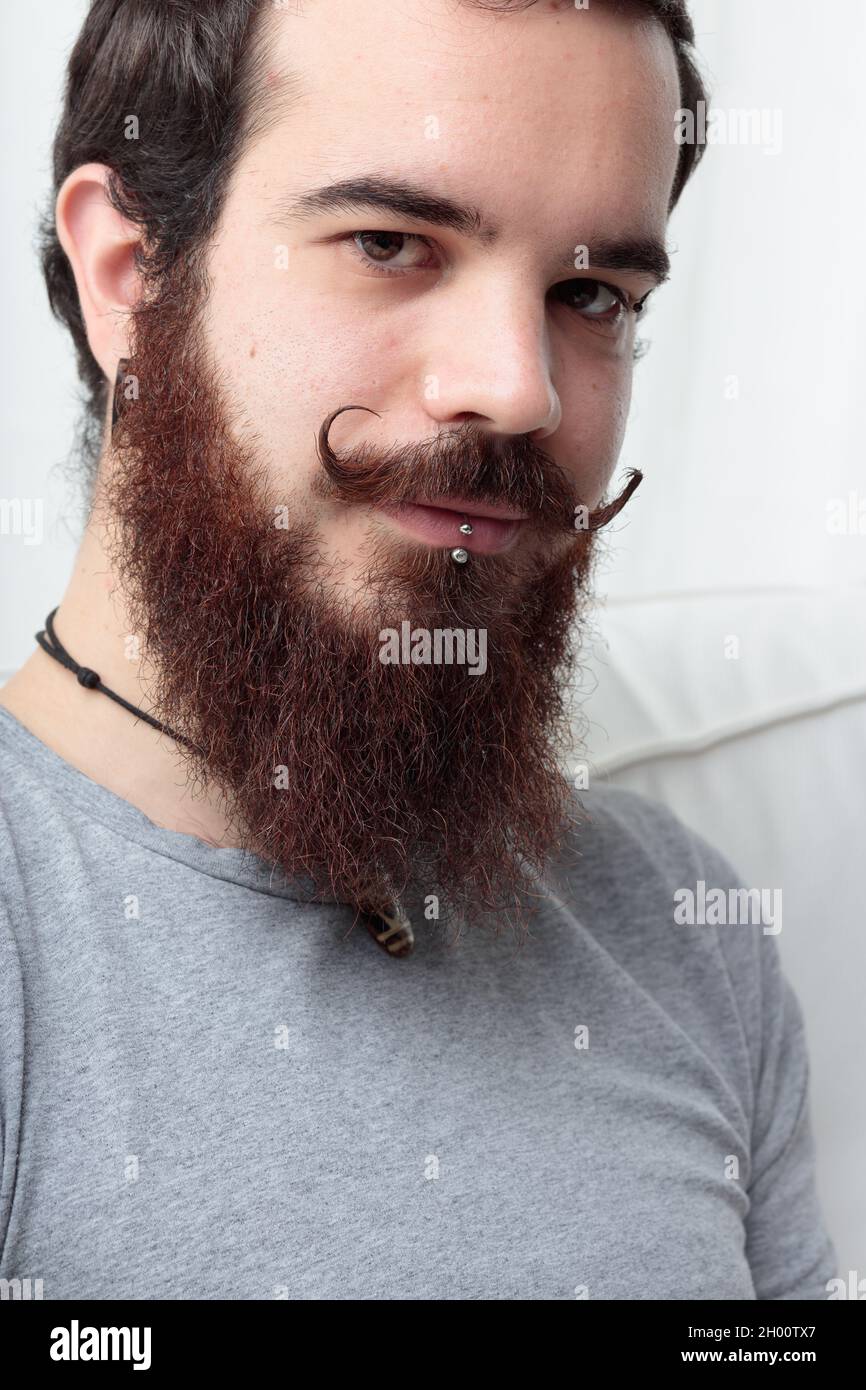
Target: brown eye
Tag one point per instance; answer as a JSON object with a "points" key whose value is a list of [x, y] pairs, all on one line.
{"points": [[593, 299], [379, 250], [375, 244]]}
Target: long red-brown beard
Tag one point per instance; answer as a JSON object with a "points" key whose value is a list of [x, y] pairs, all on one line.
{"points": [[377, 782]]}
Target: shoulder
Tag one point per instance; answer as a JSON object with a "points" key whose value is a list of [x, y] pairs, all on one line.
{"points": [[12, 1031], [634, 865], [624, 843], [38, 800], [22, 826], [629, 867], [613, 822]]}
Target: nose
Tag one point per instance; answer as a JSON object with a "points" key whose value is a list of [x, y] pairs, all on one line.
{"points": [[492, 363]]}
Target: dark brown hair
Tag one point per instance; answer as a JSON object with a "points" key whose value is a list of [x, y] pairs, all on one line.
{"points": [[192, 73]]}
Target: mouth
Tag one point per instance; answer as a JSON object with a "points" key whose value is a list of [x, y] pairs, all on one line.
{"points": [[494, 529]]}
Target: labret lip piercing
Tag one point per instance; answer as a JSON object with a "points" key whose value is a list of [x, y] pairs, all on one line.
{"points": [[460, 556]]}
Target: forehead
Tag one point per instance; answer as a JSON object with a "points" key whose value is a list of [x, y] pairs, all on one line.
{"points": [[553, 113]]}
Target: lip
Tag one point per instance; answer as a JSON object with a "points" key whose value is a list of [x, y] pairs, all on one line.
{"points": [[465, 507], [494, 529]]}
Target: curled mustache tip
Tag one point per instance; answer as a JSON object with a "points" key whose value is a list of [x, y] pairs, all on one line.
{"points": [[323, 446], [604, 515]]}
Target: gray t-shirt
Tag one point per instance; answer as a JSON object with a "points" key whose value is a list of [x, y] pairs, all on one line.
{"points": [[211, 1088]]}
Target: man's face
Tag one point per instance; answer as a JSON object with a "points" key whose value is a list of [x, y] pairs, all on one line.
{"points": [[263, 561], [557, 127]]}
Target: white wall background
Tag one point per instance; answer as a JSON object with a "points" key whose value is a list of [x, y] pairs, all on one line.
{"points": [[765, 290]]}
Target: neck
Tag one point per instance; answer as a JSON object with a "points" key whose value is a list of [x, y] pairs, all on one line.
{"points": [[92, 732]]}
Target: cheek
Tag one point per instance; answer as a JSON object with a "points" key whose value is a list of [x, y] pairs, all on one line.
{"points": [[594, 418], [287, 360]]}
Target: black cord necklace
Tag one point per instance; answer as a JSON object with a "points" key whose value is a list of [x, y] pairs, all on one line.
{"points": [[91, 680], [390, 928]]}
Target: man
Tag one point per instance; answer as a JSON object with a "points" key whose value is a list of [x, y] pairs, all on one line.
{"points": [[354, 291]]}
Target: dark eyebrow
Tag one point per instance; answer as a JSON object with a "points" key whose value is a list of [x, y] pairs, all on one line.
{"points": [[393, 195], [645, 255]]}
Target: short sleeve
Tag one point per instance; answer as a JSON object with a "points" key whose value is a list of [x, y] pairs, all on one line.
{"points": [[11, 1066], [788, 1248]]}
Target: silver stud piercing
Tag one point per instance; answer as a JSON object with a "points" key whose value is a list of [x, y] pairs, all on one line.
{"points": [[467, 528], [460, 556]]}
